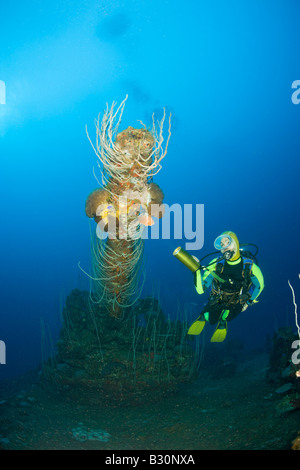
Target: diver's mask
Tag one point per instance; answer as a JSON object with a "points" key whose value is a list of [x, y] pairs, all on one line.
{"points": [[227, 245]]}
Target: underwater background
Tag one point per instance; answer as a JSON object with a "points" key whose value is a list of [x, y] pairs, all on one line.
{"points": [[225, 72]]}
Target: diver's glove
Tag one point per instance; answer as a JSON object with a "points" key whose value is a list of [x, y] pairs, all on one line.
{"points": [[244, 299], [248, 303]]}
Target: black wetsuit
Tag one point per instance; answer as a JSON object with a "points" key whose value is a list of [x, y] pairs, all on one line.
{"points": [[226, 295]]}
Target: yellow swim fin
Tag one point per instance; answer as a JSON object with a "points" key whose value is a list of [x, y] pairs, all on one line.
{"points": [[220, 332], [196, 327]]}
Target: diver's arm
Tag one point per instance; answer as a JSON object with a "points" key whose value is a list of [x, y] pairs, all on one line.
{"points": [[198, 282], [257, 283], [203, 282]]}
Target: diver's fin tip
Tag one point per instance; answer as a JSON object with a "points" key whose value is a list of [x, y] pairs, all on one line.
{"points": [[219, 335], [196, 327]]}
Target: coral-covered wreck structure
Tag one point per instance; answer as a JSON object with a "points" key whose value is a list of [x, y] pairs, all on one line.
{"points": [[115, 344]]}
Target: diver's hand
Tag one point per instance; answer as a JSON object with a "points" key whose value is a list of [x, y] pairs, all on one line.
{"points": [[246, 304], [245, 301], [244, 298]]}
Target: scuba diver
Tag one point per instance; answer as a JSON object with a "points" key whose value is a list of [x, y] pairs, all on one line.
{"points": [[234, 279]]}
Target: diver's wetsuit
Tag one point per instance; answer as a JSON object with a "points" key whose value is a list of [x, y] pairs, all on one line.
{"points": [[227, 295], [215, 311]]}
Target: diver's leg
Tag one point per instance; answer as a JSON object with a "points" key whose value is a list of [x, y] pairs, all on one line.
{"points": [[211, 313], [221, 329], [226, 315], [234, 311], [215, 312]]}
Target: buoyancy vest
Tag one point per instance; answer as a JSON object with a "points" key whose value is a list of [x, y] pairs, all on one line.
{"points": [[237, 276]]}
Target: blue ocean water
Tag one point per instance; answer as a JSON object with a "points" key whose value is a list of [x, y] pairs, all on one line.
{"points": [[225, 72]]}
